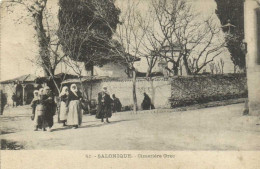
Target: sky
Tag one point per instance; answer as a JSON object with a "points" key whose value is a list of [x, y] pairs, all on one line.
{"points": [[19, 48]]}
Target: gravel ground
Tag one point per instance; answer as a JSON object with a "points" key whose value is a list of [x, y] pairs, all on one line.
{"points": [[215, 128]]}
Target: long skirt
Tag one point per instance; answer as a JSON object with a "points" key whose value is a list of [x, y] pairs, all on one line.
{"points": [[75, 113], [63, 111], [39, 118], [103, 111]]}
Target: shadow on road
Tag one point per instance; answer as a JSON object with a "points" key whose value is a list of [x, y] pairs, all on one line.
{"points": [[91, 125], [10, 145]]}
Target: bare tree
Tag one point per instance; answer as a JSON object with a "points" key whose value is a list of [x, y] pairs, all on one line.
{"points": [[74, 43], [126, 47], [49, 55], [183, 35]]}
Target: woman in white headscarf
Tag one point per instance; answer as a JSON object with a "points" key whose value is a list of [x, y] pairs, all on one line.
{"points": [[64, 98], [75, 111], [40, 110]]}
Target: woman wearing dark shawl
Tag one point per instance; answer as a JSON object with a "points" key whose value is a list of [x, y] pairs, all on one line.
{"points": [[50, 107], [146, 104], [104, 105]]}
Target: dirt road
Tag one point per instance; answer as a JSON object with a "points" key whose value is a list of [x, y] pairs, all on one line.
{"points": [[217, 128]]}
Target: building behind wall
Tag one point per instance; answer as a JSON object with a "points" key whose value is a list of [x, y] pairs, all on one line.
{"points": [[22, 87]]}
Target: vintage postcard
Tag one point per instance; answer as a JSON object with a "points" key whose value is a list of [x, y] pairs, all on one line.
{"points": [[130, 84]]}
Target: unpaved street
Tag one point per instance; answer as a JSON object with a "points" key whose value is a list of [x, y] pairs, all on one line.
{"points": [[219, 128]]}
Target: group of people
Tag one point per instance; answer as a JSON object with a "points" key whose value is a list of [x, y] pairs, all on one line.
{"points": [[70, 108], [43, 109]]}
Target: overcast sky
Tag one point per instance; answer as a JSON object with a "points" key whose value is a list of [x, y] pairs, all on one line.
{"points": [[18, 44]]}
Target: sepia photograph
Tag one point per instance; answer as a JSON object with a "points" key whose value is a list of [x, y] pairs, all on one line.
{"points": [[131, 79]]}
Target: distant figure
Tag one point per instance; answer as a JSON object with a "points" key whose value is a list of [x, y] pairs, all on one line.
{"points": [[117, 106], [14, 98], [64, 103], [75, 110], [146, 104], [34, 103], [3, 101], [104, 105]]}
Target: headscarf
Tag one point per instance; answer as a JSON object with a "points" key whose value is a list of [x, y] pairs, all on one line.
{"points": [[74, 89], [104, 89], [34, 94], [45, 89], [63, 91], [41, 91]]}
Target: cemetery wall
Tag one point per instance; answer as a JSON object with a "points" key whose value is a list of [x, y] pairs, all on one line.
{"points": [[175, 91]]}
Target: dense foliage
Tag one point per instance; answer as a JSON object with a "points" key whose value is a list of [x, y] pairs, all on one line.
{"points": [[85, 27], [233, 10]]}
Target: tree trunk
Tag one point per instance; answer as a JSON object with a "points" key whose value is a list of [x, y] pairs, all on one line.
{"points": [[153, 91], [186, 65], [92, 71], [149, 72], [135, 108], [43, 41], [175, 71]]}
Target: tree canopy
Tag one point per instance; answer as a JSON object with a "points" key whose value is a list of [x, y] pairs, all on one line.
{"points": [[85, 26], [233, 11]]}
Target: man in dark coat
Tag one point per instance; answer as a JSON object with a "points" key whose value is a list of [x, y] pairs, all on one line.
{"points": [[146, 105], [116, 104], [3, 102], [104, 105]]}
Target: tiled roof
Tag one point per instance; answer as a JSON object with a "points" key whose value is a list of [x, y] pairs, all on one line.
{"points": [[85, 79], [24, 78]]}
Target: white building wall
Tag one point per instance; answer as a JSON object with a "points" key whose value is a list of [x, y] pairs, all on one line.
{"points": [[110, 69]]}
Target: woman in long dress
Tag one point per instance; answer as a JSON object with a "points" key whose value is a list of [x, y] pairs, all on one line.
{"points": [[75, 111], [50, 107], [146, 104], [64, 98], [40, 111], [104, 105]]}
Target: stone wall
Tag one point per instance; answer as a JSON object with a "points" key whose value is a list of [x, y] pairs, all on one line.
{"points": [[158, 89], [206, 88], [173, 92]]}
